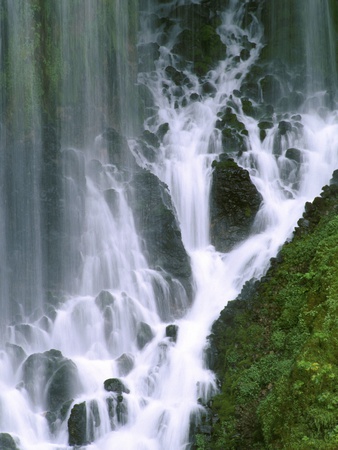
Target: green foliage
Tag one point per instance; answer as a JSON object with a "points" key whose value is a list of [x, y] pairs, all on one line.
{"points": [[276, 346]]}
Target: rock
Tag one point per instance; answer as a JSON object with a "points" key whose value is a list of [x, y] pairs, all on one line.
{"points": [[112, 198], [245, 54], [271, 89], [51, 378], [77, 425], [7, 442], [294, 154], [171, 331], [115, 385], [248, 107], [265, 124], [144, 335], [284, 127], [16, 354], [104, 299], [119, 153], [334, 179], [125, 364], [235, 202], [201, 45], [209, 88], [162, 130], [175, 75], [157, 225], [148, 54]]}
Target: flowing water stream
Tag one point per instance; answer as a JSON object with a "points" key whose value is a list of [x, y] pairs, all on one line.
{"points": [[164, 382]]}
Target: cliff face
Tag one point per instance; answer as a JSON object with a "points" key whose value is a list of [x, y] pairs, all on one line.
{"points": [[274, 347]]}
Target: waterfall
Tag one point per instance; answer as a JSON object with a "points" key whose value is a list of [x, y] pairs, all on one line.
{"points": [[110, 277]]}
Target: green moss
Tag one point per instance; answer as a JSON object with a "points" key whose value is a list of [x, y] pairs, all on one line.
{"points": [[201, 45], [225, 164], [276, 346]]}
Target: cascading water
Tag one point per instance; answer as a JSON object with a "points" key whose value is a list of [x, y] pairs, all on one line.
{"points": [[111, 365]]}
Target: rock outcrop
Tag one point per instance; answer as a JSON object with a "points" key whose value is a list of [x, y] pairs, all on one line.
{"points": [[235, 202]]}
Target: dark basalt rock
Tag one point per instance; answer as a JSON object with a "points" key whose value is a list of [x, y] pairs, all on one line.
{"points": [[16, 354], [144, 335], [115, 385], [171, 332], [125, 364], [235, 202], [82, 422], [284, 127], [271, 89], [51, 378], [175, 75], [104, 299], [245, 54], [119, 153], [148, 53], [199, 42], [233, 131], [158, 227], [77, 425], [294, 154], [7, 442]]}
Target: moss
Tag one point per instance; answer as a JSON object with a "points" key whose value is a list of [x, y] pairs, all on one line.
{"points": [[224, 164], [276, 346], [201, 45]]}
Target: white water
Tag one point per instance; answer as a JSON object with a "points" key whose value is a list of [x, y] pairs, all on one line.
{"points": [[167, 378]]}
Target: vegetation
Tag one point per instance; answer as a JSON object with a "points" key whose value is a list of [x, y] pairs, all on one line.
{"points": [[276, 346]]}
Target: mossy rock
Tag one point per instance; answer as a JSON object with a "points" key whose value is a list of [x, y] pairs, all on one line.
{"points": [[275, 346]]}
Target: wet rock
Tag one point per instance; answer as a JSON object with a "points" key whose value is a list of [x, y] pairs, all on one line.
{"points": [[265, 125], [158, 227], [209, 88], [251, 90], [284, 127], [125, 364], [77, 425], [248, 108], [112, 198], [16, 354], [162, 130], [294, 154], [271, 89], [194, 97], [148, 54], [245, 54], [334, 179], [115, 385], [51, 378], [150, 138], [171, 331], [7, 442], [175, 75], [144, 335], [104, 299], [201, 45], [235, 202], [119, 153]]}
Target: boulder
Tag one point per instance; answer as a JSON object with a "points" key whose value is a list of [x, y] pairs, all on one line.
{"points": [[235, 202], [7, 442], [77, 425], [294, 154], [158, 227], [144, 335], [125, 364], [50, 379], [119, 153], [115, 385], [171, 332]]}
